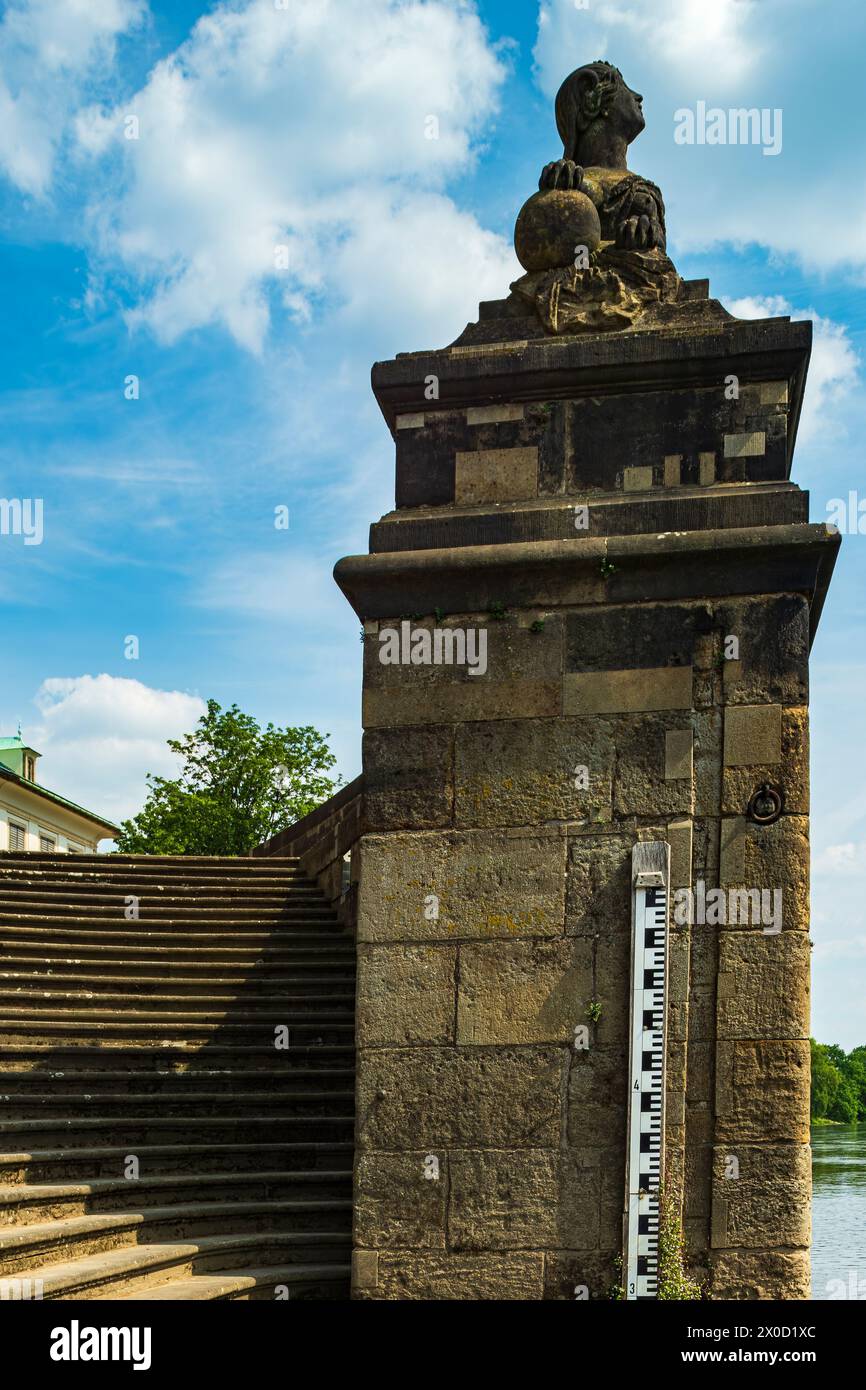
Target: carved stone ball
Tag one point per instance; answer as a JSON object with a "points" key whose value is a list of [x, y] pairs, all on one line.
{"points": [[551, 225]]}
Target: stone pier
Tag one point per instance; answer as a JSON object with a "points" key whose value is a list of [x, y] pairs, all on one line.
{"points": [[613, 511]]}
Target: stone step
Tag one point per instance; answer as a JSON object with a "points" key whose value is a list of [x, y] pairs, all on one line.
{"points": [[75, 1006], [44, 1165], [177, 1059], [155, 1031], [155, 1038], [312, 977], [23, 1204], [102, 1130], [46, 994], [27, 1084], [65, 938], [190, 915], [70, 864], [201, 878], [27, 1249], [242, 903], [152, 959], [207, 880], [128, 1271], [66, 1106], [284, 1281]]}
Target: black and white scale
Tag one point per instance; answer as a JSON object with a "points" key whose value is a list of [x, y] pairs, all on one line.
{"points": [[648, 1034]]}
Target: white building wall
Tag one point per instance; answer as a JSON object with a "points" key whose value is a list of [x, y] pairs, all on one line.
{"points": [[69, 832]]}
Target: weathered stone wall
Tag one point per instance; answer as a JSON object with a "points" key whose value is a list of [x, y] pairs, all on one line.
{"points": [[321, 840], [502, 809]]}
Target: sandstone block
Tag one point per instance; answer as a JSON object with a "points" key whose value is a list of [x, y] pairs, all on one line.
{"points": [[753, 735], [680, 840], [768, 1204], [599, 885], [523, 772], [678, 754], [760, 1274], [408, 778], [641, 784], [791, 771], [396, 1205], [495, 475], [502, 1200], [405, 994], [435, 886], [610, 692], [439, 1097], [597, 1095], [493, 414], [638, 479], [763, 985], [762, 1090], [517, 1276], [523, 991]]}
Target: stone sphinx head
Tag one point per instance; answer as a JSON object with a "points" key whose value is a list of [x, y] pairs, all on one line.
{"points": [[597, 116]]}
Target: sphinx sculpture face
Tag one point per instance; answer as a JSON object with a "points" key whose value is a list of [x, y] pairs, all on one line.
{"points": [[626, 114], [598, 116]]}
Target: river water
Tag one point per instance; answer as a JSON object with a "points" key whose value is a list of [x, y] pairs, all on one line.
{"points": [[839, 1211]]}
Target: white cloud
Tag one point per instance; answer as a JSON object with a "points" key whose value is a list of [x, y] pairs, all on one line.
{"points": [[100, 735], [847, 858], [693, 37], [833, 369], [305, 128], [48, 54], [760, 54]]}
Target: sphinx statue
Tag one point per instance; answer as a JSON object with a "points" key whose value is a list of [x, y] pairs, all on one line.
{"points": [[592, 239]]}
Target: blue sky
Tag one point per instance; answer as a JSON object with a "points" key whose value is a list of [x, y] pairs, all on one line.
{"points": [[304, 127]]}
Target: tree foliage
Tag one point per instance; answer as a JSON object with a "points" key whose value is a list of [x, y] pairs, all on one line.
{"points": [[238, 785], [838, 1083]]}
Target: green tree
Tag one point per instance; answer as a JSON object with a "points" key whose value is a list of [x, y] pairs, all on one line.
{"points": [[825, 1081], [238, 785]]}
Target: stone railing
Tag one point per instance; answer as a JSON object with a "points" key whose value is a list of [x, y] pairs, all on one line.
{"points": [[324, 842]]}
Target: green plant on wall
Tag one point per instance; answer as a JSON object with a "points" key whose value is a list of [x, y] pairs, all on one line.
{"points": [[674, 1283]]}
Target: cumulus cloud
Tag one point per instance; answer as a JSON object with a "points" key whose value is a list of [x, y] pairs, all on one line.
{"points": [[847, 858], [100, 735], [687, 36], [297, 156], [49, 54], [802, 203], [834, 367]]}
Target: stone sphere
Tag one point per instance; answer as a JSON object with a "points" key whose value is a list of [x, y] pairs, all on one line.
{"points": [[551, 224]]}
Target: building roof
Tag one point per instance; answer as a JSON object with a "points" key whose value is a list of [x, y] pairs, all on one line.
{"points": [[6, 774], [16, 741]]}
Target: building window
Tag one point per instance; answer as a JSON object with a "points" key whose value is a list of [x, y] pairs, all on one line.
{"points": [[74, 849], [47, 844], [29, 768], [17, 836]]}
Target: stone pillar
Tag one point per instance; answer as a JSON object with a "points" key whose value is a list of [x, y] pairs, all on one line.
{"points": [[617, 518]]}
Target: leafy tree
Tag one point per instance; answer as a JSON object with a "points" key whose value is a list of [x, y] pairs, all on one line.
{"points": [[844, 1107], [838, 1083], [238, 785], [825, 1081]]}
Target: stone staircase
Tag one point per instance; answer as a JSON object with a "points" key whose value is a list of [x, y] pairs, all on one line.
{"points": [[155, 1142]]}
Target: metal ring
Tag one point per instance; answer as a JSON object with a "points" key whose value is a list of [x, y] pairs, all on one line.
{"points": [[766, 804]]}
